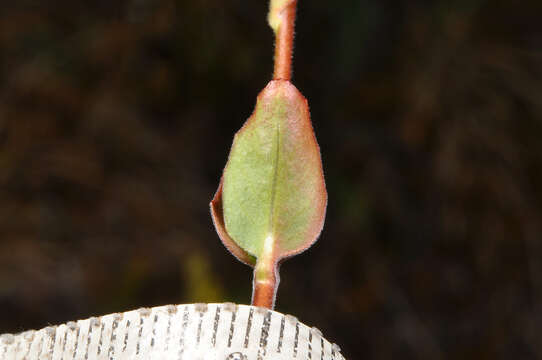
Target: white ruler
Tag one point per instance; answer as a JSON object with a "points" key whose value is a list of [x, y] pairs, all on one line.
{"points": [[177, 332]]}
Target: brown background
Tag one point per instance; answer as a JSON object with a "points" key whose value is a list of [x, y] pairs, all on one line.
{"points": [[116, 119]]}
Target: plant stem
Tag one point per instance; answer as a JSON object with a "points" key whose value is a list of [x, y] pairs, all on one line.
{"points": [[284, 42], [266, 277], [264, 287]]}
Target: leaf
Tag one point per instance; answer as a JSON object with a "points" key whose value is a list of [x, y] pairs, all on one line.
{"points": [[271, 200]]}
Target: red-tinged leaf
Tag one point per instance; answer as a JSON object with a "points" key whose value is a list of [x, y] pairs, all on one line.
{"points": [[273, 183], [271, 201]]}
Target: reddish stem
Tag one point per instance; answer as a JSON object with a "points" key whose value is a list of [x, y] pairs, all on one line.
{"points": [[284, 43], [263, 295], [264, 287]]}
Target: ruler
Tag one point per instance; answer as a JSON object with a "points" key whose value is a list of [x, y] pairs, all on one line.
{"points": [[178, 332]]}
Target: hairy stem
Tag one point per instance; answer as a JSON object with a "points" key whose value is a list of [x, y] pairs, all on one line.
{"points": [[265, 284], [284, 37]]}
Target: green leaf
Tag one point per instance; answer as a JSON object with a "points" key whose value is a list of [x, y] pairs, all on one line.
{"points": [[272, 198]]}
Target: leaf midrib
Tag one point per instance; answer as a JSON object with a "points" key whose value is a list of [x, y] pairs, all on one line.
{"points": [[274, 183]]}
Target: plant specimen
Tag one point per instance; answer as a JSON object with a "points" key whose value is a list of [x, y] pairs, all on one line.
{"points": [[271, 200]]}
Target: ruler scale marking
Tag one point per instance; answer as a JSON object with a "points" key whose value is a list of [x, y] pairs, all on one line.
{"points": [[189, 332]]}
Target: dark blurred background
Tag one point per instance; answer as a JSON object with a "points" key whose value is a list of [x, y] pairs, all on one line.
{"points": [[116, 119]]}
